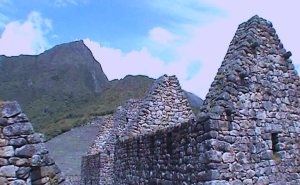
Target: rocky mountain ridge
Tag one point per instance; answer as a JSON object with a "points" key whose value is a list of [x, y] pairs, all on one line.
{"points": [[64, 86]]}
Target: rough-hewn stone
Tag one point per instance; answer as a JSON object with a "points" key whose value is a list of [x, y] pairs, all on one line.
{"points": [[164, 105], [6, 151], [247, 131], [18, 129], [24, 158], [11, 109]]}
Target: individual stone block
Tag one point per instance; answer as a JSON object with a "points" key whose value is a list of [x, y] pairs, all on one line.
{"points": [[287, 55], [17, 142], [35, 138], [8, 171], [31, 149], [6, 151], [18, 182], [18, 129], [23, 172], [228, 157], [3, 162], [213, 156], [19, 161], [11, 109], [3, 180], [44, 171], [3, 122], [3, 142]]}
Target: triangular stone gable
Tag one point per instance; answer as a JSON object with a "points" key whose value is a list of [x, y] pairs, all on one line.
{"points": [[24, 158], [164, 105], [253, 106]]}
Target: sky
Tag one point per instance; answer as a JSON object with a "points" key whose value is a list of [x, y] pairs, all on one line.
{"points": [[186, 38]]}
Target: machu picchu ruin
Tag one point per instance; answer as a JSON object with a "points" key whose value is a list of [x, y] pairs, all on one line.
{"points": [[246, 132], [24, 157]]}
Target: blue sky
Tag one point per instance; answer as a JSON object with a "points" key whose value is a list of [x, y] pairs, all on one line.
{"points": [[185, 38]]}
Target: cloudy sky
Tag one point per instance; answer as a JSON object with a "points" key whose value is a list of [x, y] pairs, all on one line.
{"points": [[188, 38]]}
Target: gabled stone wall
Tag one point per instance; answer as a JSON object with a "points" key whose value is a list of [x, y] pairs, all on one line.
{"points": [[165, 104], [173, 155], [247, 132], [24, 158], [253, 105]]}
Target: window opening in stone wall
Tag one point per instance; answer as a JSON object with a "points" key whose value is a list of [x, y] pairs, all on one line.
{"points": [[127, 150], [138, 149], [169, 143], [35, 173], [228, 113], [274, 138], [152, 142]]}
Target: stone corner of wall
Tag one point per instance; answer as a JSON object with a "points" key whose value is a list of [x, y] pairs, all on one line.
{"points": [[24, 158]]}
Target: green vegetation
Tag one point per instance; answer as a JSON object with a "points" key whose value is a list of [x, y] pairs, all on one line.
{"points": [[53, 116], [65, 86]]}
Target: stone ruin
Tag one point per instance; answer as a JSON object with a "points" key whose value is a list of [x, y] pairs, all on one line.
{"points": [[24, 158], [247, 131], [155, 111]]}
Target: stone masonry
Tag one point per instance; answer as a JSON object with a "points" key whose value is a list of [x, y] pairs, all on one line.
{"points": [[253, 106], [164, 105], [247, 131], [24, 158]]}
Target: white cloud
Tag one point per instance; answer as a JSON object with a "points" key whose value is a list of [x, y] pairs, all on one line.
{"points": [[28, 37], [204, 43], [192, 11], [208, 43], [117, 64], [211, 42], [161, 35], [284, 17]]}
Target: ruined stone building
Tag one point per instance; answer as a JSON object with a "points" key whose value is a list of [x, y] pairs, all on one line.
{"points": [[247, 131], [24, 158]]}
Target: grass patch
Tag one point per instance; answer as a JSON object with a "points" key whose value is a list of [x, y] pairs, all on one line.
{"points": [[56, 115]]}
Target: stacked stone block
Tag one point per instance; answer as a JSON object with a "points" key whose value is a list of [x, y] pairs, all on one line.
{"points": [[247, 132], [253, 105], [250, 124], [24, 158], [164, 105]]}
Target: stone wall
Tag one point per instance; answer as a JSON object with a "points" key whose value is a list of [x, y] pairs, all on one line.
{"points": [[247, 132], [24, 158], [165, 104], [104, 133], [174, 154], [99, 158], [253, 105], [90, 173], [125, 118]]}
